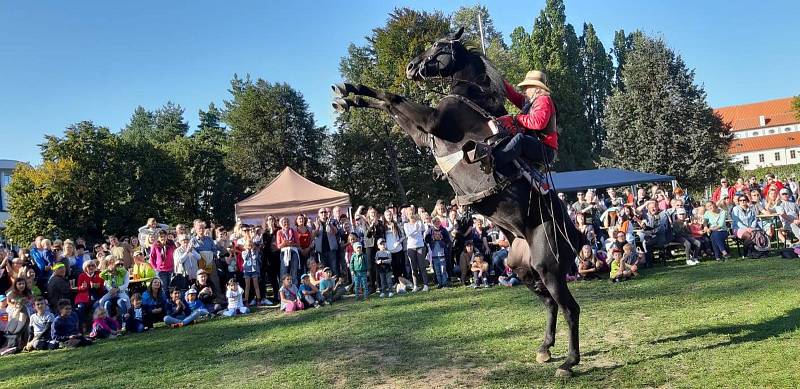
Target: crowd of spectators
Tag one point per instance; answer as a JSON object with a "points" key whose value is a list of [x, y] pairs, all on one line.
{"points": [[67, 294], [61, 294], [625, 230]]}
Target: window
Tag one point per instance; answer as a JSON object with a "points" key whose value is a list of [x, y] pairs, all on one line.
{"points": [[772, 131], [746, 160], [755, 133], [787, 129], [761, 158], [778, 156], [792, 154]]}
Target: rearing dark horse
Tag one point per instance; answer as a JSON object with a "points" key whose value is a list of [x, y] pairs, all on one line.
{"points": [[543, 239]]}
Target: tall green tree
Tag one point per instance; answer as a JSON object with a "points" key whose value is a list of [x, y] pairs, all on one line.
{"points": [[661, 121], [159, 126], [271, 128], [553, 47], [596, 80], [394, 170]]}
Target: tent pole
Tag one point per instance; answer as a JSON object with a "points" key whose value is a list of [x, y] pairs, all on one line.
{"points": [[350, 215]]}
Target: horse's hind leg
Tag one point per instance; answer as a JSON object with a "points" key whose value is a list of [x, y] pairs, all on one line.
{"points": [[557, 286], [543, 353]]}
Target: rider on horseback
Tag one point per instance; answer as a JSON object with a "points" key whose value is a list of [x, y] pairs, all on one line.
{"points": [[537, 139]]}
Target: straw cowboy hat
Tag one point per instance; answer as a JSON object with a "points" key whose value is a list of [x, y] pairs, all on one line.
{"points": [[535, 78]]}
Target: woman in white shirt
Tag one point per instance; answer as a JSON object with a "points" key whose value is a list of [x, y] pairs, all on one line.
{"points": [[414, 229]]}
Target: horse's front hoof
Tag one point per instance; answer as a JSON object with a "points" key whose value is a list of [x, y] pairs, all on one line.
{"points": [[340, 105], [563, 373], [543, 356], [339, 89]]}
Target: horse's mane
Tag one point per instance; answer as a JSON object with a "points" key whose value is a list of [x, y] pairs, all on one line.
{"points": [[496, 87]]}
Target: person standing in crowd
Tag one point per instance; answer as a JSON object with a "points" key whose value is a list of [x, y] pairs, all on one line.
{"points": [[303, 240], [358, 265], [438, 241], [270, 257], [58, 286], [205, 246], [789, 214], [394, 244], [161, 258], [383, 267], [43, 260], [290, 255], [251, 265], [186, 259], [415, 249], [325, 240], [121, 250], [373, 230], [71, 259]]}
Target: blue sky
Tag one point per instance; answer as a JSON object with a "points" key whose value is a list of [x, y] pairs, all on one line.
{"points": [[66, 61]]}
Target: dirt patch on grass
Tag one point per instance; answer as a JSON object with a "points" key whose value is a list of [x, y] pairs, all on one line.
{"points": [[386, 368]]}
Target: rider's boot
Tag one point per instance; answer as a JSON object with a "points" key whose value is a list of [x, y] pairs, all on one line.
{"points": [[483, 154]]}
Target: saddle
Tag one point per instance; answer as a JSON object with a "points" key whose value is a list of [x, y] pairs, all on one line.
{"points": [[481, 152]]}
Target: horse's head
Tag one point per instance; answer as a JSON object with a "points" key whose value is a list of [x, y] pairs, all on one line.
{"points": [[444, 58]]}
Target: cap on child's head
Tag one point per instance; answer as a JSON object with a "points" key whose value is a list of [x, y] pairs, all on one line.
{"points": [[326, 269], [468, 242], [57, 266], [381, 240], [616, 251], [190, 291], [356, 245], [304, 276], [2, 297]]}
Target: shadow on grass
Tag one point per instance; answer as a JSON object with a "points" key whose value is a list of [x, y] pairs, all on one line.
{"points": [[743, 333]]}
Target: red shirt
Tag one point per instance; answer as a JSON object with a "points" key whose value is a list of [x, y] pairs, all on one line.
{"points": [[539, 115], [775, 184], [303, 238]]}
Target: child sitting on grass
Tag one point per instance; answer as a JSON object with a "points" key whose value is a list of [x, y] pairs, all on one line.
{"points": [[65, 327], [177, 313], [137, 319], [508, 277], [194, 304], [480, 271], [234, 296], [619, 269], [327, 286], [309, 293], [358, 266], [17, 328], [104, 326], [288, 293], [631, 259], [41, 323]]}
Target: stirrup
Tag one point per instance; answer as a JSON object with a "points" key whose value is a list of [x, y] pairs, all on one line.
{"points": [[537, 180], [479, 152]]}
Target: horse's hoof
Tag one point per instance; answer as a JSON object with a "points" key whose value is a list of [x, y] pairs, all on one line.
{"points": [[563, 373], [340, 105], [339, 89], [543, 356]]}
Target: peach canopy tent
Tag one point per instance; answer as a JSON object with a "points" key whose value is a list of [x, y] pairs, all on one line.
{"points": [[289, 194]]}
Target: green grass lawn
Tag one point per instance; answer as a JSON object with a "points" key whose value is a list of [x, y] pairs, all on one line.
{"points": [[732, 324]]}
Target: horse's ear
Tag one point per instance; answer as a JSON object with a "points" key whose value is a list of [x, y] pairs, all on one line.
{"points": [[458, 33]]}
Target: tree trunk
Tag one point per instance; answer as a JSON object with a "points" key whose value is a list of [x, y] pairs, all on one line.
{"points": [[391, 153]]}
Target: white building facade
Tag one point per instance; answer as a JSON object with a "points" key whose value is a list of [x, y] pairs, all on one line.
{"points": [[764, 134], [6, 168]]}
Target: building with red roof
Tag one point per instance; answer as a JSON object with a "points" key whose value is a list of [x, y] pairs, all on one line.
{"points": [[766, 133]]}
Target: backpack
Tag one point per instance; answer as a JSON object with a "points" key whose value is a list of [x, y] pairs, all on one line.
{"points": [[760, 241]]}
